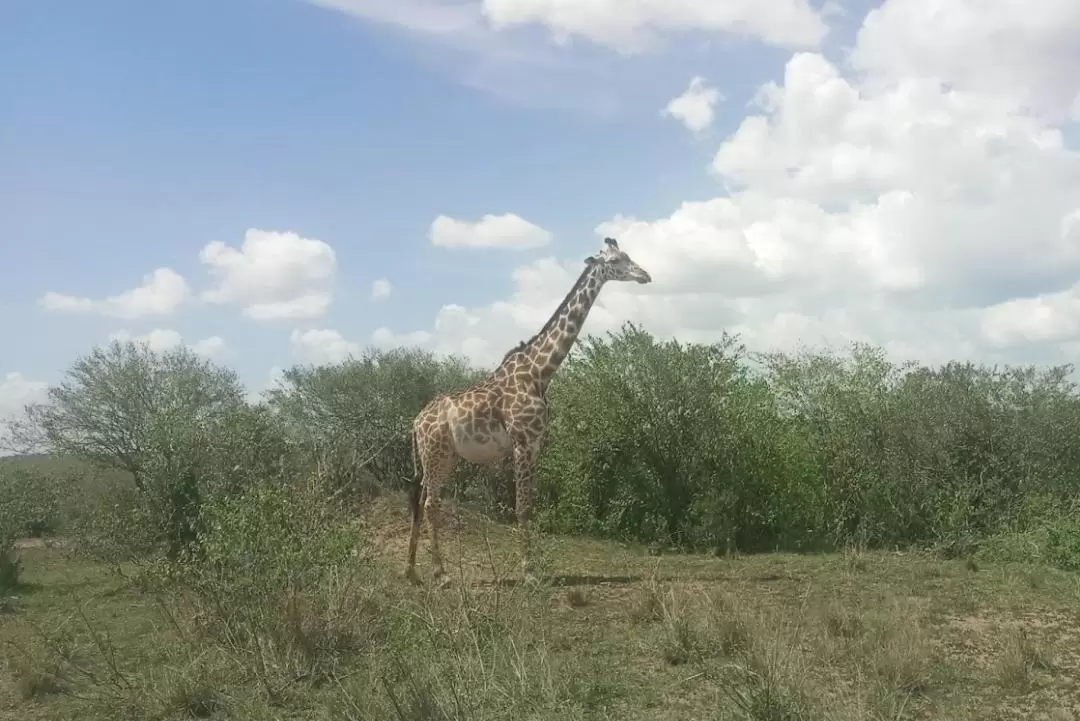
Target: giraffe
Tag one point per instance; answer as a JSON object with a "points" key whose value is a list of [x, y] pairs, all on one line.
{"points": [[506, 414]]}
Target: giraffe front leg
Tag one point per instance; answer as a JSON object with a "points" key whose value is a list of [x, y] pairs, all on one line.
{"points": [[525, 457]]}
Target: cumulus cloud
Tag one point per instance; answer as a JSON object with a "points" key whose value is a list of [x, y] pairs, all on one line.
{"points": [[385, 338], [211, 347], [913, 203], [161, 293], [1021, 53], [696, 106], [508, 231], [323, 346], [272, 275], [381, 289], [1047, 317], [16, 392], [164, 339]]}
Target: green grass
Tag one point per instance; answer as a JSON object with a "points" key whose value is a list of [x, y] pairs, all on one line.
{"points": [[617, 633]]}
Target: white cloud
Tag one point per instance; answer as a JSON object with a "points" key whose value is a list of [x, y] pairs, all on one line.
{"points": [[274, 379], [161, 293], [164, 339], [1025, 53], [16, 392], [918, 206], [1046, 317], [211, 347], [381, 289], [626, 27], [384, 338], [323, 346], [491, 231], [696, 106], [423, 16], [157, 340], [633, 26], [947, 190], [273, 275]]}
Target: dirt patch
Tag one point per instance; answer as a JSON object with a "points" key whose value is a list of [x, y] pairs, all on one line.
{"points": [[28, 543]]}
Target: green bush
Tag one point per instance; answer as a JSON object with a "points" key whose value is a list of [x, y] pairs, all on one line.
{"points": [[10, 563], [1054, 540], [31, 502], [355, 417], [705, 446], [672, 443], [702, 446], [272, 579]]}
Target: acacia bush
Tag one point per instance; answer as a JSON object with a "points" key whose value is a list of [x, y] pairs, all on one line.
{"points": [[172, 423], [31, 502], [678, 444], [700, 446], [355, 416], [707, 446]]}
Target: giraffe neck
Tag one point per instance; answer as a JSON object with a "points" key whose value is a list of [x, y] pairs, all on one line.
{"points": [[548, 349]]}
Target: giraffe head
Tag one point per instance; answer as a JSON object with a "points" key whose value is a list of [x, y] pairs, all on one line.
{"points": [[614, 264]]}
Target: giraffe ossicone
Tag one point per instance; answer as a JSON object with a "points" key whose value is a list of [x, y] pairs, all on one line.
{"points": [[505, 415]]}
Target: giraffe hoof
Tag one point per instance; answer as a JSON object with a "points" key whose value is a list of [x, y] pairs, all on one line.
{"points": [[442, 581], [411, 577]]}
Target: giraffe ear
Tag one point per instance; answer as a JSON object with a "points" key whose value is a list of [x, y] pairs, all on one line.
{"points": [[612, 243], [590, 260]]}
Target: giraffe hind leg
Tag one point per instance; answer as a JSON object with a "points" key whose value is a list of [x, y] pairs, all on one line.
{"points": [[414, 536], [436, 469]]}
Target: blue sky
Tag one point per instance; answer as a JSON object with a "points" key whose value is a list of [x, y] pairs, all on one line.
{"points": [[133, 134], [141, 131]]}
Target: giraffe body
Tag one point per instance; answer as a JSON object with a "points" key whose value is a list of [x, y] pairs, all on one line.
{"points": [[506, 415]]}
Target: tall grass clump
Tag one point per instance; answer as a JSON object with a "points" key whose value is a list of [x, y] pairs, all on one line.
{"points": [[273, 579]]}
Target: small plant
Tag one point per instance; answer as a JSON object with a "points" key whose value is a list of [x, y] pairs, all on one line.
{"points": [[193, 696], [841, 622], [1021, 659], [647, 605], [35, 680], [899, 652], [576, 598], [767, 682], [10, 565]]}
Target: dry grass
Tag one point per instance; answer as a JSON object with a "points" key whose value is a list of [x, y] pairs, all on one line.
{"points": [[615, 634]]}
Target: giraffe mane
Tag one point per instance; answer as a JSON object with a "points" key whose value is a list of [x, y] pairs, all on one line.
{"points": [[522, 345]]}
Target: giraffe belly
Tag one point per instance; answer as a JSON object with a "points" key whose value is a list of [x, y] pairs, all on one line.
{"points": [[483, 448]]}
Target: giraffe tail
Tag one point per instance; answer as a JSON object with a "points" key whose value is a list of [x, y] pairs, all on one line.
{"points": [[417, 484]]}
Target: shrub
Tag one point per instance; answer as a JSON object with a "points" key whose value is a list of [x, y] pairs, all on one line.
{"points": [[31, 501], [699, 445], [705, 446], [272, 579], [356, 417], [673, 443], [10, 563]]}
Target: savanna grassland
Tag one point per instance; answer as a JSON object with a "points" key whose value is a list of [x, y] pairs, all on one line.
{"points": [[727, 536]]}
